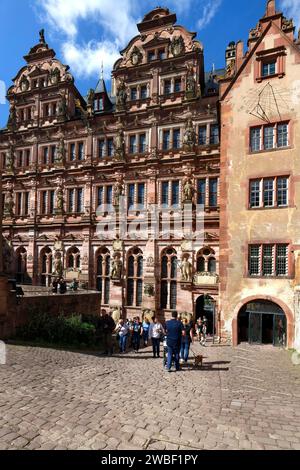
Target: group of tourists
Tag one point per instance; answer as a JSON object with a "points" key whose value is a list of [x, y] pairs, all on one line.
{"points": [[133, 333], [59, 286]]}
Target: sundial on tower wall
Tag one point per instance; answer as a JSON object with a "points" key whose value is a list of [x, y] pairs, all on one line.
{"points": [[269, 102]]}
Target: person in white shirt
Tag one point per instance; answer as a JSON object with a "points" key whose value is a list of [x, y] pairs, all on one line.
{"points": [[156, 332], [122, 330]]}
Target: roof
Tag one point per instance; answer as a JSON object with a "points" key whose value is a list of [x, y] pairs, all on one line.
{"points": [[101, 87]]}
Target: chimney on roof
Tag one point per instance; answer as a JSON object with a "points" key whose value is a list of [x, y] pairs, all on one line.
{"points": [[239, 53], [271, 8]]}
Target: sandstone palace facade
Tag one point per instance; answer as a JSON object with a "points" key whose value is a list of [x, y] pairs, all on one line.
{"points": [[82, 178]]}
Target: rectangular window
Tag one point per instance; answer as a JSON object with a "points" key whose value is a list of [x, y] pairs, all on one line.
{"points": [[268, 137], [19, 204], [101, 148], [133, 94], [201, 190], [166, 140], [72, 152], [20, 159], [176, 138], [167, 87], [144, 92], [132, 144], [213, 192], [165, 193], [26, 203], [27, 158], [131, 191], [51, 202], [130, 292], [268, 192], [255, 193], [151, 56], [162, 54], [44, 202], [45, 156], [79, 207], [281, 260], [71, 207], [100, 200], [53, 153], [255, 139], [214, 134], [106, 291], [254, 260], [175, 193], [110, 147], [173, 295], [164, 294], [142, 143], [267, 260], [139, 293], [141, 194], [202, 135], [177, 86], [101, 104], [80, 151], [109, 192], [282, 191], [268, 69], [282, 135]]}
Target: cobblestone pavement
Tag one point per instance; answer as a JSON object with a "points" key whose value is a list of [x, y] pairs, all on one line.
{"points": [[243, 398]]}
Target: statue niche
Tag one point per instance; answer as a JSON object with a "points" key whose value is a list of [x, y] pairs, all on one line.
{"points": [[121, 96], [119, 146], [189, 138], [186, 270], [9, 204], [190, 91], [116, 269]]}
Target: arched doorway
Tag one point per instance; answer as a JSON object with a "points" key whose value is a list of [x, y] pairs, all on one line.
{"points": [[262, 322], [205, 309]]}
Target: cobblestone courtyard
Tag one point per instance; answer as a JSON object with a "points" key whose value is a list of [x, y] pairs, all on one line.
{"points": [[244, 398]]}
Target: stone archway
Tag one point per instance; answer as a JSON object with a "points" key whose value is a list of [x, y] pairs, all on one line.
{"points": [[290, 325]]}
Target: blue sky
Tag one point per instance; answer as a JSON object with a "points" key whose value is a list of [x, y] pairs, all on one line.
{"points": [[85, 32]]}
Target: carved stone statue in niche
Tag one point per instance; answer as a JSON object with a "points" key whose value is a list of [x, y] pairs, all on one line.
{"points": [[24, 84], [57, 264], [189, 138], [119, 145], [118, 191], [10, 157], [60, 152], [117, 266], [12, 119], [121, 95], [188, 190], [190, 83], [9, 203], [54, 76], [186, 270], [7, 253], [62, 108], [59, 199], [177, 46], [136, 56]]}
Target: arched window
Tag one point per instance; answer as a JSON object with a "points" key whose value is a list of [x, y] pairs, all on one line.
{"points": [[168, 290], [73, 259], [21, 273], [46, 262], [135, 271], [103, 275], [206, 261]]}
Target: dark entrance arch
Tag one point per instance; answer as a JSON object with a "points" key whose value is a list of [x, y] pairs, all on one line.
{"points": [[205, 309], [262, 322]]}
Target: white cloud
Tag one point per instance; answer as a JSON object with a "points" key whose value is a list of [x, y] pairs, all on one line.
{"points": [[2, 92], [291, 8], [116, 22], [208, 13]]}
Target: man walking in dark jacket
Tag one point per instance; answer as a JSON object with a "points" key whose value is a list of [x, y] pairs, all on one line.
{"points": [[174, 330]]}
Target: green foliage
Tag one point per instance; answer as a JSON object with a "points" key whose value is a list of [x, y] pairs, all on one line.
{"points": [[72, 331]]}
